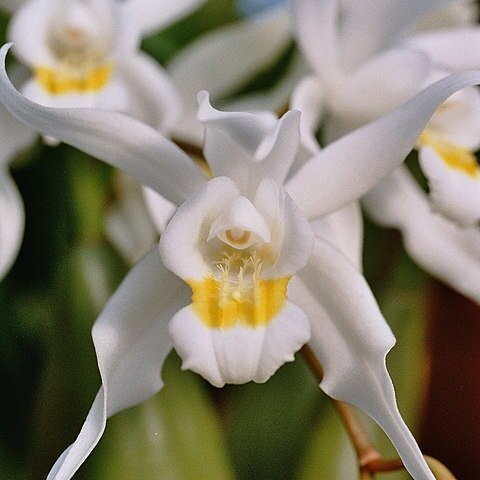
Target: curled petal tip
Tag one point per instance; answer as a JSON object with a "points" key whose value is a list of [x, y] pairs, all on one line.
{"points": [[202, 96]]}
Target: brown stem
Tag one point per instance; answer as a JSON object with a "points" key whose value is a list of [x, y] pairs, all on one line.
{"points": [[365, 475], [369, 459], [366, 452]]}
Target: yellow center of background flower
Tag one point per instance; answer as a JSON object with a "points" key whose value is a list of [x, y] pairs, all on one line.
{"points": [[57, 82], [455, 156]]}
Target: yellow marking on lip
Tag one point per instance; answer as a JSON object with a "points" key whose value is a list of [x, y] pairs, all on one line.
{"points": [[456, 157], [224, 304], [57, 82]]}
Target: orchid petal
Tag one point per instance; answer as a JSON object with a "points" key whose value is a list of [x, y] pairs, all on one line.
{"points": [[113, 96], [316, 31], [308, 98], [187, 229], [14, 136], [248, 147], [370, 26], [127, 223], [447, 252], [131, 342], [291, 235], [451, 49], [28, 29], [33, 23], [344, 229], [240, 353], [351, 339], [115, 138], [455, 193], [457, 121], [240, 214], [380, 85], [370, 153], [275, 98], [246, 129], [12, 220], [151, 16], [153, 98], [159, 208], [219, 61]]}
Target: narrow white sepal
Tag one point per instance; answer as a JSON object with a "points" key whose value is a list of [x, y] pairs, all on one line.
{"points": [[131, 342], [117, 139]]}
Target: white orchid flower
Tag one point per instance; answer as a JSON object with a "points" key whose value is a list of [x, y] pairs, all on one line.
{"points": [[446, 156], [83, 53], [241, 282], [370, 47]]}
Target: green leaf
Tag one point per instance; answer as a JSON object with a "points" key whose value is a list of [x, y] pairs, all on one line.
{"points": [[174, 436], [214, 13], [330, 454], [270, 424], [70, 376]]}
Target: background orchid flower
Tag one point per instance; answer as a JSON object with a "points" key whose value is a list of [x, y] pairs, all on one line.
{"points": [[84, 54], [226, 58], [366, 65], [14, 137], [236, 241]]}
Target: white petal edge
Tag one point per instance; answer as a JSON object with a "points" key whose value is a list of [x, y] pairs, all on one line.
{"points": [[14, 136], [248, 147], [451, 49], [241, 353], [351, 339], [247, 129], [189, 228], [291, 235], [131, 342], [153, 98], [370, 26], [447, 252], [27, 29], [351, 166], [113, 96], [12, 221], [379, 85], [344, 229], [219, 60], [453, 193], [458, 119], [112, 137], [151, 16], [127, 224], [308, 98], [316, 30], [159, 208]]}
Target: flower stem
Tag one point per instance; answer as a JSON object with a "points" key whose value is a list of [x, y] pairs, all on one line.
{"points": [[369, 459]]}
